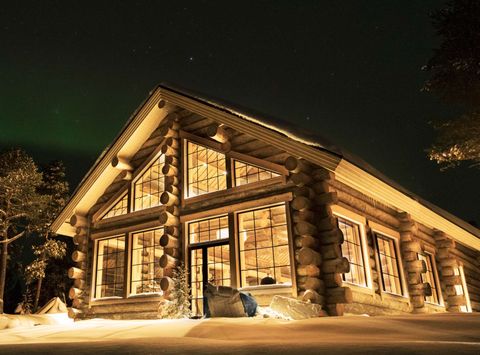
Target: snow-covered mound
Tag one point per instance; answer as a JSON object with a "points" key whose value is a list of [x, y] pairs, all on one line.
{"points": [[431, 334]]}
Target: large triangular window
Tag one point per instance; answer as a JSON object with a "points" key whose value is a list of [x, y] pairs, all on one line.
{"points": [[149, 186], [119, 208], [247, 173]]}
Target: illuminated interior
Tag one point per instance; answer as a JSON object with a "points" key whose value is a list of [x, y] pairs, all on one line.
{"points": [[121, 207], [247, 173], [146, 271], [352, 250], [430, 278], [206, 170], [461, 289], [264, 251], [149, 186], [110, 267], [389, 265]]}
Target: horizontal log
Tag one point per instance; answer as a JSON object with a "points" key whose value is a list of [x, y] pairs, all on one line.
{"points": [[455, 309], [78, 256], [174, 252], [167, 132], [172, 142], [173, 210], [74, 312], [306, 241], [304, 191], [125, 175], [305, 228], [81, 231], [331, 251], [167, 261], [300, 179], [79, 239], [414, 278], [445, 243], [78, 221], [448, 271], [308, 270], [456, 300], [312, 296], [78, 303], [79, 283], [331, 237], [301, 203], [76, 273], [305, 215], [169, 170], [310, 283], [74, 293], [295, 165], [171, 120], [327, 198], [413, 246], [172, 230], [332, 280], [327, 224], [122, 164], [217, 133], [449, 262], [168, 150], [452, 280], [320, 187], [322, 174], [335, 309], [339, 265], [171, 180], [409, 255], [339, 295], [167, 284], [307, 256], [169, 241], [416, 266], [168, 219], [443, 253], [450, 291], [169, 199], [170, 159]]}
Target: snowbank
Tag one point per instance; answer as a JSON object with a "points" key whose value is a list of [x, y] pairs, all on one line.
{"points": [[8, 321], [437, 333]]}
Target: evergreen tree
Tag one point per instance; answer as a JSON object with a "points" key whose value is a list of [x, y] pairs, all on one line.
{"points": [[178, 304], [455, 78], [20, 203], [55, 189]]}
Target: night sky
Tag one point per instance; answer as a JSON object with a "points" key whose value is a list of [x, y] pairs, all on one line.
{"points": [[72, 74]]}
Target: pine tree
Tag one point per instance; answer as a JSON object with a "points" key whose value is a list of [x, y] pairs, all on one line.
{"points": [[20, 203], [178, 304]]}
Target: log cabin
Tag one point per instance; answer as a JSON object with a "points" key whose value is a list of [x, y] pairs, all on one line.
{"points": [[248, 201]]}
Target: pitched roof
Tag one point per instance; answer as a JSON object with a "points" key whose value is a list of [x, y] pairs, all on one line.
{"points": [[348, 168]]}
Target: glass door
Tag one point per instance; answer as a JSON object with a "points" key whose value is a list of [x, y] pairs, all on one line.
{"points": [[208, 264]]}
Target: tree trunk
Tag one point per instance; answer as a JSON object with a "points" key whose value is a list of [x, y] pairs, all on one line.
{"points": [[3, 272], [37, 294]]}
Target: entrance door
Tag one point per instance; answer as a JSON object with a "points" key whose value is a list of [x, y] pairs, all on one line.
{"points": [[209, 264]]}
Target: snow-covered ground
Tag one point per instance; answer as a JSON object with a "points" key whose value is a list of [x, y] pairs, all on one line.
{"points": [[433, 334]]}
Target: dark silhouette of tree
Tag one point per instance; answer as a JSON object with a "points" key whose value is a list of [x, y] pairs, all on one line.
{"points": [[455, 78], [20, 203]]}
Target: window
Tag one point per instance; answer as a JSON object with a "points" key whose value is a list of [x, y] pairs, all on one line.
{"points": [[121, 207], [110, 267], [264, 250], [206, 170], [146, 271], [462, 289], [208, 230], [247, 173], [352, 250], [429, 277], [149, 186], [389, 269]]}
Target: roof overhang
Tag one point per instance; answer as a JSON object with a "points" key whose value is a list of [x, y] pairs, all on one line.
{"points": [[149, 116]]}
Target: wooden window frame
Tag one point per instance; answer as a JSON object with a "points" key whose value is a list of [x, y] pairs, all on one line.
{"points": [[395, 236], [361, 222], [431, 252], [468, 303]]}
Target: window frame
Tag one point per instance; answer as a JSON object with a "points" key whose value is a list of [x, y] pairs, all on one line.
{"points": [[95, 269], [377, 228], [461, 272], [138, 175], [360, 221], [430, 252], [234, 172]]}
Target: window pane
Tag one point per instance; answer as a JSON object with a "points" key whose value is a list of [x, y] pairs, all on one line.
{"points": [[120, 208], [208, 230], [247, 173], [150, 186], [110, 267], [429, 277], [352, 250], [264, 251], [146, 270], [206, 170], [389, 265]]}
